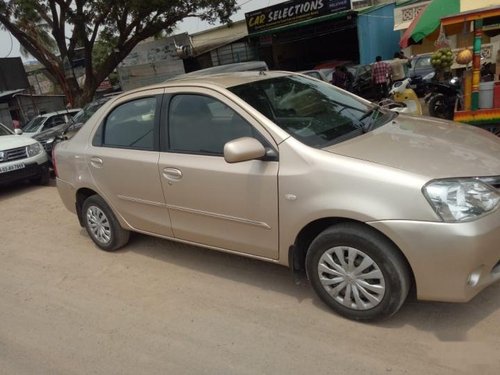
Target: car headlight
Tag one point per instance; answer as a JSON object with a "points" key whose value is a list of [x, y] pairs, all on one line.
{"points": [[457, 200], [34, 149], [50, 140]]}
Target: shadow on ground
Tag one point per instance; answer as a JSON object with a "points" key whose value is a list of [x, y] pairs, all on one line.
{"points": [[447, 321], [17, 188], [265, 275]]}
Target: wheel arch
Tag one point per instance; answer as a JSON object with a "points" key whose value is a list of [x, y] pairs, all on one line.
{"points": [[298, 251], [81, 195]]}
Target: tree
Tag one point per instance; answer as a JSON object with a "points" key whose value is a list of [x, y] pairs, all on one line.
{"points": [[113, 26]]}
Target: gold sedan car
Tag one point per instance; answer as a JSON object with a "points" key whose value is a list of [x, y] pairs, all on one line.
{"points": [[284, 168]]}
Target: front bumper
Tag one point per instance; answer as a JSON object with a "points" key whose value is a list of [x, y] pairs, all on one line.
{"points": [[451, 262], [30, 171]]}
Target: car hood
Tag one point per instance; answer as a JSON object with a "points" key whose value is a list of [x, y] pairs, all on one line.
{"points": [[8, 142], [428, 147], [56, 130]]}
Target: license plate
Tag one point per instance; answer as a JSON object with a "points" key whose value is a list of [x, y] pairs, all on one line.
{"points": [[11, 168]]}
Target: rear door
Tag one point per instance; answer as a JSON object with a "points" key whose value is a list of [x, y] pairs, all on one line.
{"points": [[123, 160]]}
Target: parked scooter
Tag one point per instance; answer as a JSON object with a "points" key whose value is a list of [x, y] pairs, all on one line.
{"points": [[403, 99], [443, 98]]}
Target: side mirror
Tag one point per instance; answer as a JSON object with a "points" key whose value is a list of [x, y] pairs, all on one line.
{"points": [[18, 131], [243, 149]]}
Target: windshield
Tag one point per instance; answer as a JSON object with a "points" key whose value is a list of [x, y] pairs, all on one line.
{"points": [[34, 124], [87, 111], [4, 130], [314, 112]]}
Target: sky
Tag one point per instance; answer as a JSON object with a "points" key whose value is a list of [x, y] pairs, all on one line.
{"points": [[9, 46]]}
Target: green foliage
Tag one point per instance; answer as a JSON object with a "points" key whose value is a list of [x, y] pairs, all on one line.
{"points": [[102, 49]]}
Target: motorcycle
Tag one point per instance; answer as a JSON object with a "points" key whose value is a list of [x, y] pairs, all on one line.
{"points": [[443, 98], [402, 98], [419, 83]]}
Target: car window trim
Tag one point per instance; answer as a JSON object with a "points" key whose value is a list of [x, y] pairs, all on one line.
{"points": [[164, 126], [99, 133]]}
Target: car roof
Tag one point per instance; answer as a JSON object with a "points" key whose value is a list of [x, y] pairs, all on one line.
{"points": [[60, 112], [226, 68], [223, 80]]}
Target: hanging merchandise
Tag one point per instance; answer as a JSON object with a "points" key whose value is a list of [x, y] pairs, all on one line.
{"points": [[442, 59], [442, 41], [464, 56]]}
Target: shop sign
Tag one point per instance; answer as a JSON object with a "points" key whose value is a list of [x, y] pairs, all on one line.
{"points": [[292, 12]]}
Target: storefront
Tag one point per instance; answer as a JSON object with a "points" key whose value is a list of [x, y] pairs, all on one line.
{"points": [[481, 94], [300, 34]]}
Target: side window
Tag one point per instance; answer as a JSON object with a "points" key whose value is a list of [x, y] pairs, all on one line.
{"points": [[203, 125], [54, 121], [423, 62], [131, 125]]}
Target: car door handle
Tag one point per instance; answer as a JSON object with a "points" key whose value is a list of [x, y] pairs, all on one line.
{"points": [[96, 162], [172, 174]]}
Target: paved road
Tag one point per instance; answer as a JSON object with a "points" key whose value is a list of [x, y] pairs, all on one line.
{"points": [[158, 307]]}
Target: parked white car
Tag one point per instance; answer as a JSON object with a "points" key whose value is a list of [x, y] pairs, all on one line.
{"points": [[48, 120], [22, 158]]}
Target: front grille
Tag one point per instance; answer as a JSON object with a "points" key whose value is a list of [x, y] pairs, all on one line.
{"points": [[14, 154]]}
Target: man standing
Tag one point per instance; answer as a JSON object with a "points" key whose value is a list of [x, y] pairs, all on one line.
{"points": [[399, 67], [380, 77]]}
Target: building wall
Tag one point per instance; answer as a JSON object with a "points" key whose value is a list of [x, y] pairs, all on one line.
{"points": [[376, 34], [466, 5], [206, 41], [152, 62], [30, 106]]}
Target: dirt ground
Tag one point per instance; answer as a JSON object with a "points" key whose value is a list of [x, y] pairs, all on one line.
{"points": [[158, 307]]}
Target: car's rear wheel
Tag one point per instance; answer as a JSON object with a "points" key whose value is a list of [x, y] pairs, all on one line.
{"points": [[358, 272], [102, 225]]}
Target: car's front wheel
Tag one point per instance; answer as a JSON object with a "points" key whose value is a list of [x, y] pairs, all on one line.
{"points": [[102, 225], [358, 272]]}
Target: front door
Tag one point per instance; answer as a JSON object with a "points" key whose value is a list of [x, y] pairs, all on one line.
{"points": [[212, 202]]}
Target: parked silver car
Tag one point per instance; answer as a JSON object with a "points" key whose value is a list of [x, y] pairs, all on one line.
{"points": [[47, 121], [22, 158], [285, 168]]}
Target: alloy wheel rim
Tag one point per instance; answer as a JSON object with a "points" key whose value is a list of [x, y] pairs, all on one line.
{"points": [[351, 278], [99, 225]]}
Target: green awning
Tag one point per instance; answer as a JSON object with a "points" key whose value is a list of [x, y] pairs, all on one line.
{"points": [[428, 21]]}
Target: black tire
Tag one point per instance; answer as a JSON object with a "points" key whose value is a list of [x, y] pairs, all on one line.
{"points": [[102, 225], [439, 108], [389, 271], [44, 178]]}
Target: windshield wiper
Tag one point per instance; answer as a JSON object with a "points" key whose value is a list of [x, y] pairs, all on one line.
{"points": [[371, 119]]}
